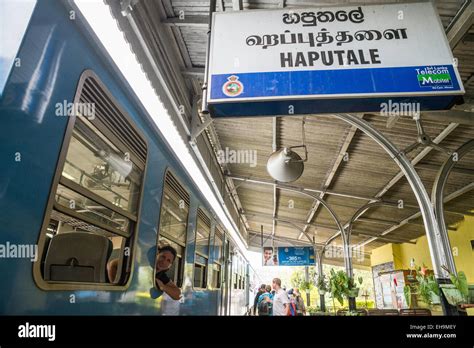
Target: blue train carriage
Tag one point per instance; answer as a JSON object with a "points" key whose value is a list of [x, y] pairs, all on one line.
{"points": [[87, 179]]}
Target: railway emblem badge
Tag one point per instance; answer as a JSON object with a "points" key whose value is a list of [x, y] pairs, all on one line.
{"points": [[233, 87]]}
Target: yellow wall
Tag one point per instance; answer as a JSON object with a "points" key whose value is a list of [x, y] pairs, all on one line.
{"points": [[460, 243], [382, 255]]}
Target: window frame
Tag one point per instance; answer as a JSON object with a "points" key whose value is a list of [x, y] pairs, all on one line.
{"points": [[52, 204], [206, 270], [218, 231], [165, 235]]}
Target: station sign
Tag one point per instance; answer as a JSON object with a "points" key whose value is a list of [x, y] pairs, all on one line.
{"points": [[330, 60], [288, 256]]}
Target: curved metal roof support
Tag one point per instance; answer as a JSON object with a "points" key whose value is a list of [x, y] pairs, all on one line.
{"points": [[438, 202], [362, 211], [427, 211], [319, 256], [436, 244], [347, 258]]}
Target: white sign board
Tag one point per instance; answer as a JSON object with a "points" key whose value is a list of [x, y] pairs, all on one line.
{"points": [[330, 59]]}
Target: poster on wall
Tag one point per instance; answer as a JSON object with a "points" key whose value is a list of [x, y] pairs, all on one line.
{"points": [[382, 289], [288, 256]]}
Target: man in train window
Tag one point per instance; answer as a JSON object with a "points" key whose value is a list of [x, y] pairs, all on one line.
{"points": [[164, 260]]}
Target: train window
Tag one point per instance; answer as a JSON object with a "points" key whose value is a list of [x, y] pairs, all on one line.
{"points": [[218, 257], [93, 214], [174, 223], [203, 232], [200, 272]]}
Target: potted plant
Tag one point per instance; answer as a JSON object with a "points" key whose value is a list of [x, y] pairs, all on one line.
{"points": [[407, 292], [457, 292], [427, 287], [341, 285], [322, 284], [338, 283], [353, 290]]}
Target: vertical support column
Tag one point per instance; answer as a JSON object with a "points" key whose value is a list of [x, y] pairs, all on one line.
{"points": [[319, 257], [437, 198], [306, 275], [437, 250]]}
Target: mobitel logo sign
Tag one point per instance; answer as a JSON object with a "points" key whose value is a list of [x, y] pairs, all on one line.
{"points": [[434, 76], [330, 59]]}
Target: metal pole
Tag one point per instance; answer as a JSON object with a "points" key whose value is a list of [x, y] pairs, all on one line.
{"points": [[427, 211], [306, 275], [347, 258], [204, 106], [357, 214], [412, 178], [319, 256], [438, 203]]}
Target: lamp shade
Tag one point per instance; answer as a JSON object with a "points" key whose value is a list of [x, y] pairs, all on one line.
{"points": [[285, 165]]}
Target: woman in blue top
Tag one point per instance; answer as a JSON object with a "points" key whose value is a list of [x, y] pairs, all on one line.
{"points": [[265, 302]]}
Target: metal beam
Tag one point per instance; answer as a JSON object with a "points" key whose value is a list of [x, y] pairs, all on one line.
{"points": [[331, 174], [441, 136], [187, 21], [386, 239], [255, 234], [392, 203], [270, 216], [438, 201], [421, 225], [417, 214], [455, 116], [193, 72], [461, 23], [432, 167], [377, 221], [298, 188], [237, 5], [220, 6]]}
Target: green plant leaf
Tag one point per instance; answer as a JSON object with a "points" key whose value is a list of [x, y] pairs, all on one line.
{"points": [[462, 285], [407, 293]]}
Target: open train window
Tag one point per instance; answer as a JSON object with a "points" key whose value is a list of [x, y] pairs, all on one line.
{"points": [[174, 223], [217, 257], [89, 230], [203, 233]]}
